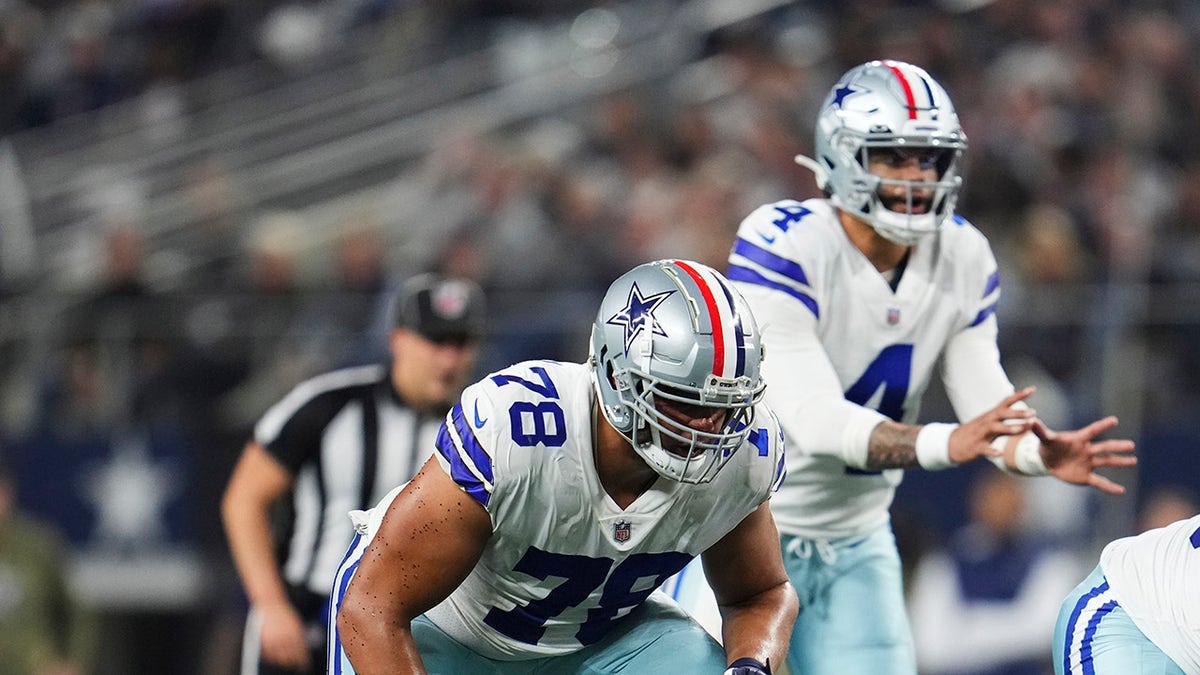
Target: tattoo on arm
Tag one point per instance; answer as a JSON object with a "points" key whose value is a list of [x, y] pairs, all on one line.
{"points": [[892, 446]]}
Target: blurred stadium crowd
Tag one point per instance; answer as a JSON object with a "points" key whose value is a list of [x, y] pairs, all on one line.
{"points": [[134, 357]]}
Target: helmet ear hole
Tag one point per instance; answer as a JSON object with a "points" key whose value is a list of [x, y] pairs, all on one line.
{"points": [[638, 387]]}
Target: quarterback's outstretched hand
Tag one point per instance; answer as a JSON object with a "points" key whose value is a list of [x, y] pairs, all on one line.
{"points": [[972, 440], [1074, 456]]}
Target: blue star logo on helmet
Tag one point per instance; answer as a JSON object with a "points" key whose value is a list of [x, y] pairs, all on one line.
{"points": [[638, 314], [840, 94]]}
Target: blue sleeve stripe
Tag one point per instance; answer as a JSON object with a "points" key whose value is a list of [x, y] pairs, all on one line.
{"points": [[463, 466], [466, 435], [993, 283], [777, 264], [459, 471], [739, 273], [983, 315], [780, 474]]}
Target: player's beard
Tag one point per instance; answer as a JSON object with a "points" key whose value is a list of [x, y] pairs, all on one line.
{"points": [[922, 201]]}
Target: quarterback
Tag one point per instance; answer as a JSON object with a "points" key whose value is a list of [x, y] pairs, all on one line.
{"points": [[561, 495], [859, 295]]}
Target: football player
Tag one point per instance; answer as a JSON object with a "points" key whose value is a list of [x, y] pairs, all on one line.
{"points": [[859, 294], [561, 495], [1138, 612]]}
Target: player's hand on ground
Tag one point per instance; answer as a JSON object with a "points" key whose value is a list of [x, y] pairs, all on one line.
{"points": [[283, 637], [1074, 456], [972, 440]]}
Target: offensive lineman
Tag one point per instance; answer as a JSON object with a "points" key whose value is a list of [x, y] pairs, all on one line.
{"points": [[859, 294], [1138, 613], [561, 496]]}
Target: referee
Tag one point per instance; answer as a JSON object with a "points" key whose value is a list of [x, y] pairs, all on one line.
{"points": [[339, 442]]}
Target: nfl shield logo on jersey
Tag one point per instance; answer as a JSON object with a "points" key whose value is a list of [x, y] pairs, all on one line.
{"points": [[893, 316], [622, 531]]}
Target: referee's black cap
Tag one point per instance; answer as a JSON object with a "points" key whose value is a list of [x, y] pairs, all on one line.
{"points": [[442, 309]]}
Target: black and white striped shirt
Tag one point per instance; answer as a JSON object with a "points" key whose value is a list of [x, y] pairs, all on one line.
{"points": [[348, 438]]}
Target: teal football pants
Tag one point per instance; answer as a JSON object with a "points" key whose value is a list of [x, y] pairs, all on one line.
{"points": [[1094, 635], [852, 613]]}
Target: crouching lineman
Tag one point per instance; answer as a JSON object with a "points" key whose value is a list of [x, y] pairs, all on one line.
{"points": [[562, 495], [1138, 613]]}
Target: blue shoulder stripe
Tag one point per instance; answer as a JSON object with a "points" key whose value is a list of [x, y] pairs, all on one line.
{"points": [[739, 273], [780, 474], [775, 263], [470, 464], [993, 283], [983, 315]]}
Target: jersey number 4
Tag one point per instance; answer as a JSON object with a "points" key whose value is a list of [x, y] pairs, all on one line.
{"points": [[891, 370]]}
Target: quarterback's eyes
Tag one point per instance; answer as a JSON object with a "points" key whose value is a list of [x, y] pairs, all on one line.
{"points": [[896, 158]]}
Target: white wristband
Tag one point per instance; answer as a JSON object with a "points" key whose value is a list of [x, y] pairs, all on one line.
{"points": [[933, 446], [1027, 458]]}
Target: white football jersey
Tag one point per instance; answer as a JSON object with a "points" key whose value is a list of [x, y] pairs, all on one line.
{"points": [[844, 351], [1155, 576], [564, 561]]}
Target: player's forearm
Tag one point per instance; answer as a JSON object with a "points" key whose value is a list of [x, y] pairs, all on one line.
{"points": [[376, 644], [761, 628], [892, 446]]}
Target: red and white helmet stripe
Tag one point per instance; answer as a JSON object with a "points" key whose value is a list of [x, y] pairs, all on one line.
{"points": [[729, 358]]}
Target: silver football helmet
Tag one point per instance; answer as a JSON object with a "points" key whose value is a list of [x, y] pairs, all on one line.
{"points": [[669, 333], [888, 107]]}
